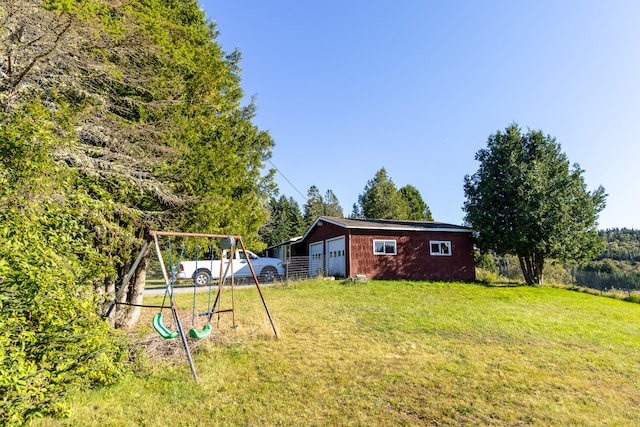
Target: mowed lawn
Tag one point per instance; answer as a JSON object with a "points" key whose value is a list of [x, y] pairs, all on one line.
{"points": [[387, 353]]}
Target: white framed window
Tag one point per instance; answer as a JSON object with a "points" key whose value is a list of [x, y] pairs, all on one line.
{"points": [[384, 247], [440, 247]]}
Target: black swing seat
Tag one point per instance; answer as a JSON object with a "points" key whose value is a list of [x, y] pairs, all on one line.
{"points": [[161, 329]]}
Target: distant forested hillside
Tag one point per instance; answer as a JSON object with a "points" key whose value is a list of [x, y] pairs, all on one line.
{"points": [[618, 267], [623, 244]]}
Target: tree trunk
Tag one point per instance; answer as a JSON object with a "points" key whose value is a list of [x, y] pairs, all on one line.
{"points": [[120, 310], [110, 291], [532, 267], [97, 287], [127, 315], [539, 268], [136, 293]]}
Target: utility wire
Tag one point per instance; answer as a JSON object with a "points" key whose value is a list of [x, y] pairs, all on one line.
{"points": [[287, 179]]}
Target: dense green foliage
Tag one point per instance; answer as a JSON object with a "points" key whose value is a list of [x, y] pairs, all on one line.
{"points": [[524, 200], [621, 244], [382, 200], [50, 335], [285, 221], [418, 209], [618, 266], [115, 118]]}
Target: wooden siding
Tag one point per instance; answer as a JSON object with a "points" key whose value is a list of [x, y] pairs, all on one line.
{"points": [[413, 260], [321, 233]]}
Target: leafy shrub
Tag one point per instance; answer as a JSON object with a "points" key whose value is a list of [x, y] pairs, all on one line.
{"points": [[633, 297], [485, 261], [486, 276], [51, 338]]}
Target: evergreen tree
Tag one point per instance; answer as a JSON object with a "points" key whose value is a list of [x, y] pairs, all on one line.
{"points": [[147, 120], [318, 206], [381, 200], [331, 205], [525, 200], [285, 221], [419, 210], [115, 118], [314, 207]]}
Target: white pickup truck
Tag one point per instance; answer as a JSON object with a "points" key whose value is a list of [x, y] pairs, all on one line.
{"points": [[267, 269]]}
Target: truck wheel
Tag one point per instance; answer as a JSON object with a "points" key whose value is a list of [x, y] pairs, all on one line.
{"points": [[202, 277], [268, 274]]}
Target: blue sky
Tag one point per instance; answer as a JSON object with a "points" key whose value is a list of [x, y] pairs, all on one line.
{"points": [[348, 87]]}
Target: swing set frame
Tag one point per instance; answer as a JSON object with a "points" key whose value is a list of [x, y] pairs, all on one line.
{"points": [[157, 320]]}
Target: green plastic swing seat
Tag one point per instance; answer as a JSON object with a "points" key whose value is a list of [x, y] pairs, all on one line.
{"points": [[206, 330], [161, 329]]}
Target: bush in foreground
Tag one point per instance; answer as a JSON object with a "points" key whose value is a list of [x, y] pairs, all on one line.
{"points": [[51, 338]]}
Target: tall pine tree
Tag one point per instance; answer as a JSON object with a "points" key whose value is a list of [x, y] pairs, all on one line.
{"points": [[381, 200], [314, 207], [285, 221], [418, 209], [332, 205]]}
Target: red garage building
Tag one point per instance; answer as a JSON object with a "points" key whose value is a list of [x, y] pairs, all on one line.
{"points": [[385, 249]]}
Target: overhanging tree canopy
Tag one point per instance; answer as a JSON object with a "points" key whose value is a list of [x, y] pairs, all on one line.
{"points": [[525, 200], [115, 118], [144, 117]]}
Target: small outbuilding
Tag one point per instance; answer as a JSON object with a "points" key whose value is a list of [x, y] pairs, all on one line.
{"points": [[386, 249]]}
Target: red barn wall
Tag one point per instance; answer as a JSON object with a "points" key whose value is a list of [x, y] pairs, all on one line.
{"points": [[413, 260], [321, 233]]}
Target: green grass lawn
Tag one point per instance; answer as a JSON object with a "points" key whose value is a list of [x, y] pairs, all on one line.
{"points": [[388, 353]]}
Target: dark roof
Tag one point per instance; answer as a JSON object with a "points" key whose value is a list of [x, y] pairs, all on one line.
{"points": [[291, 241], [392, 224], [388, 224]]}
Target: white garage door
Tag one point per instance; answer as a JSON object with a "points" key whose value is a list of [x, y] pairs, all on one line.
{"points": [[336, 257], [316, 258]]}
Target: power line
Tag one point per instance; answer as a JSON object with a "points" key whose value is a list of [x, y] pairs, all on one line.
{"points": [[287, 179]]}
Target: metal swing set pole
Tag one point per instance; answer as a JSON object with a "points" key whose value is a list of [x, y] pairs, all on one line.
{"points": [[215, 309], [169, 284], [255, 278], [239, 239], [174, 310], [127, 278]]}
